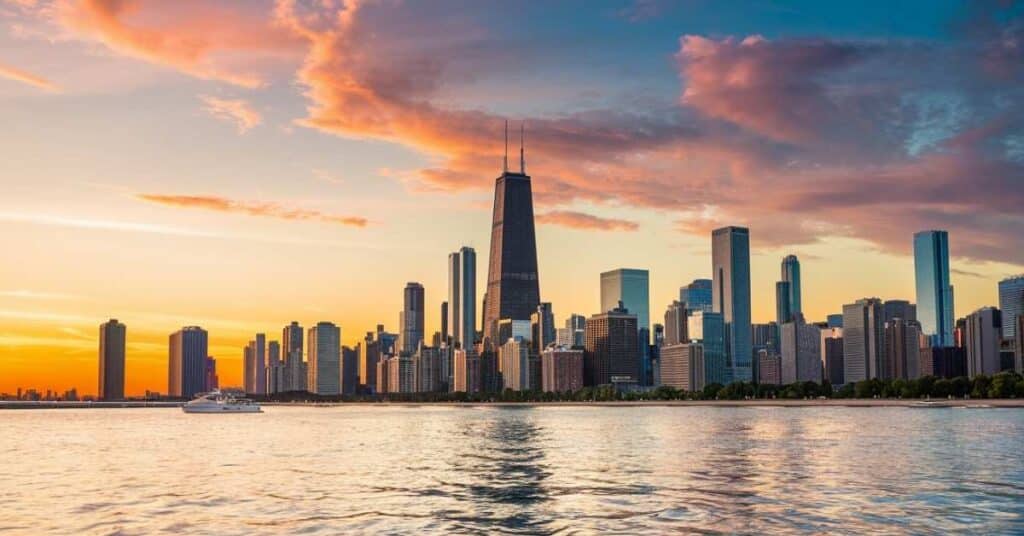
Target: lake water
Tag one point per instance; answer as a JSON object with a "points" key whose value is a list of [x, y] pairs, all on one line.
{"points": [[521, 470]]}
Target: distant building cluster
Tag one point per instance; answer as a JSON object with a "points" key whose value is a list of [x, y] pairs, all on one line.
{"points": [[707, 335]]}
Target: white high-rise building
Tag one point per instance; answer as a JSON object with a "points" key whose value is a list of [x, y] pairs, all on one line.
{"points": [[324, 366]]}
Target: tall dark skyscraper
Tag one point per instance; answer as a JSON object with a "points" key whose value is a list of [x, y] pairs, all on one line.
{"points": [[410, 320], [513, 290], [187, 351], [112, 339]]}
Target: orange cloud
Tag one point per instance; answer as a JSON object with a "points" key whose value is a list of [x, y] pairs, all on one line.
{"points": [[26, 77], [203, 39], [580, 220], [237, 111], [268, 210]]}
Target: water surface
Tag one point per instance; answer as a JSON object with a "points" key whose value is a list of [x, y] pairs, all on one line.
{"points": [[519, 470]]}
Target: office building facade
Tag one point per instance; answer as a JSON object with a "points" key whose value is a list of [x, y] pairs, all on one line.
{"points": [[324, 366], [863, 339], [462, 297], [612, 351], [934, 292], [513, 289], [187, 352], [730, 256], [411, 319], [561, 369], [982, 344], [112, 360]]}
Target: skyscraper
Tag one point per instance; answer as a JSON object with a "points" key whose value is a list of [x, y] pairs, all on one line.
{"points": [[676, 324], [984, 328], [249, 367], [709, 330], [260, 364], [445, 333], [112, 343], [832, 354], [561, 369], [631, 288], [681, 366], [800, 345], [542, 325], [324, 345], [783, 312], [697, 295], [275, 369], [730, 263], [863, 339], [462, 297], [1011, 303], [902, 350], [513, 290], [612, 354], [212, 380], [902, 309], [934, 291], [291, 341], [410, 320], [349, 370], [513, 364], [187, 351], [791, 275]]}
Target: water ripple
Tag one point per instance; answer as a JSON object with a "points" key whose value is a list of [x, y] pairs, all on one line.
{"points": [[540, 470]]}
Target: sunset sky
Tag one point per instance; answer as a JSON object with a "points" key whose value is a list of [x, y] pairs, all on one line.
{"points": [[241, 164]]}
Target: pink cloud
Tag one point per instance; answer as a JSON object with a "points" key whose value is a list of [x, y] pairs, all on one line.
{"points": [[237, 111], [268, 210], [214, 41], [583, 221], [28, 78], [799, 139]]}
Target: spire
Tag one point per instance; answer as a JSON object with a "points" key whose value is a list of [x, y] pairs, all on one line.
{"points": [[522, 153], [505, 161]]}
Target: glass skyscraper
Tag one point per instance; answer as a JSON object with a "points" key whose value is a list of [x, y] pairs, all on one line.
{"points": [[697, 295], [791, 275], [1011, 303], [730, 263], [934, 291], [632, 288], [462, 297]]}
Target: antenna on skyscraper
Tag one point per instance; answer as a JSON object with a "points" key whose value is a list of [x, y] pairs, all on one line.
{"points": [[522, 153], [505, 161]]}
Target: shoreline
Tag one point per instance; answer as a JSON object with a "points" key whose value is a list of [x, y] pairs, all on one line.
{"points": [[778, 403]]}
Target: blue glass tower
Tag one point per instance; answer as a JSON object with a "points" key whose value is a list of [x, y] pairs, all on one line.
{"points": [[791, 275], [934, 291], [730, 263], [697, 295]]}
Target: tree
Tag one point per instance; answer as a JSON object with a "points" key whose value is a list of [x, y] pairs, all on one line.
{"points": [[980, 385], [961, 386], [1004, 385], [942, 388], [711, 391]]}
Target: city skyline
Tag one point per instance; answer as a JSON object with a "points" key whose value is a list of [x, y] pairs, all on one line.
{"points": [[184, 190]]}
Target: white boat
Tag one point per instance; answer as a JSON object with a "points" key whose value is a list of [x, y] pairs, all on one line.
{"points": [[218, 402]]}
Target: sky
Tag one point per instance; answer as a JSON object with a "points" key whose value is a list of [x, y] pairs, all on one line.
{"points": [[240, 164]]}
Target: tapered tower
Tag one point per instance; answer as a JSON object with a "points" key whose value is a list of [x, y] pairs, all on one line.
{"points": [[513, 290]]}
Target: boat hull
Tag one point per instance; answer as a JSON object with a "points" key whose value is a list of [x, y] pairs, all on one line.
{"points": [[221, 409]]}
